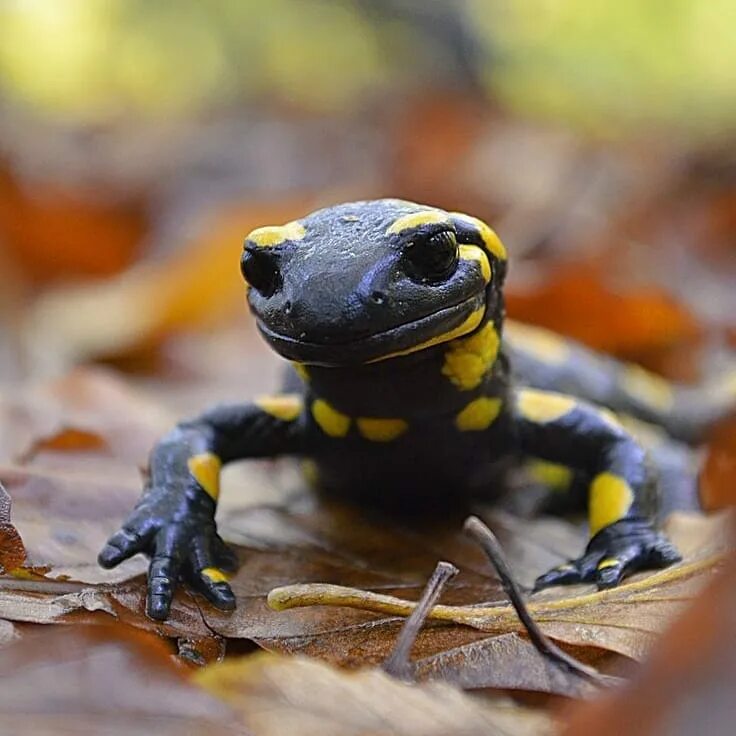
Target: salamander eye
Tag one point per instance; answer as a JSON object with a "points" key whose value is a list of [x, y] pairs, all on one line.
{"points": [[260, 269], [431, 260]]}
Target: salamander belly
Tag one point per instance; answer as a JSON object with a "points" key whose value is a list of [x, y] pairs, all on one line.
{"points": [[421, 471]]}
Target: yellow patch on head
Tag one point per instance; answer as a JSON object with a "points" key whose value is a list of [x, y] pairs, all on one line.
{"points": [[474, 253], [468, 360], [648, 388], [301, 370], [478, 414], [543, 406], [610, 499], [608, 562], [286, 407], [332, 422], [271, 235], [381, 430], [491, 241], [537, 342], [214, 574], [468, 325], [417, 219], [553, 475], [205, 469]]}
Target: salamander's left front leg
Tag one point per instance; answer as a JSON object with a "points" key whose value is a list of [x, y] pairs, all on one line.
{"points": [[623, 489]]}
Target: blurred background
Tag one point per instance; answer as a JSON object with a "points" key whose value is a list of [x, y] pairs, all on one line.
{"points": [[140, 141]]}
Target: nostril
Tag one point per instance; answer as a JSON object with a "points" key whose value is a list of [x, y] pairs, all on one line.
{"points": [[378, 297], [287, 308]]}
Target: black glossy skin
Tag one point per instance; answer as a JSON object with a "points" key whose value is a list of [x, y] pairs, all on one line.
{"points": [[339, 299]]}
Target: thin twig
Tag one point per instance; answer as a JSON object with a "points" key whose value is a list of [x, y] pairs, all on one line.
{"points": [[397, 663], [487, 540]]}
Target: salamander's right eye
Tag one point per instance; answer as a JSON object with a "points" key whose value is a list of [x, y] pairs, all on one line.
{"points": [[260, 269]]}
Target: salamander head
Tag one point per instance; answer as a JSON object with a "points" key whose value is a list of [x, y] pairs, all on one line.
{"points": [[366, 281]]}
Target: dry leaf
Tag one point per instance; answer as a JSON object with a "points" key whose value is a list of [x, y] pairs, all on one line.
{"points": [[102, 680], [12, 551], [576, 301], [623, 619], [687, 685], [278, 695]]}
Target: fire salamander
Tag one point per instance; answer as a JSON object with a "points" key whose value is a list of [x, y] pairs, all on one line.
{"points": [[392, 314]]}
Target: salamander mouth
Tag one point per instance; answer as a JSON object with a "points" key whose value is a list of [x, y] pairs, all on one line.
{"points": [[419, 334]]}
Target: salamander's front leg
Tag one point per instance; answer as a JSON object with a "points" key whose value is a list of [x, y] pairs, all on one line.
{"points": [[174, 520], [622, 493]]}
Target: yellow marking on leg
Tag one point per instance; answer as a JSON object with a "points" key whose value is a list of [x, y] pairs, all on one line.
{"points": [[332, 422], [610, 499], [271, 235], [214, 574], [537, 342], [205, 469], [468, 325], [301, 371], [417, 219], [648, 388], [474, 253], [491, 241], [543, 406], [608, 562], [381, 430], [479, 414], [468, 360], [286, 407], [310, 471], [553, 475]]}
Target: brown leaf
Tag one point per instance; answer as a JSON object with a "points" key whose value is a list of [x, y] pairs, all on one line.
{"points": [[718, 477], [12, 551], [102, 680], [576, 300], [623, 619], [54, 231], [278, 695], [508, 662], [687, 685]]}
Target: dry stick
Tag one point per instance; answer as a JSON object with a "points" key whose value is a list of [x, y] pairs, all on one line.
{"points": [[487, 540], [397, 663]]}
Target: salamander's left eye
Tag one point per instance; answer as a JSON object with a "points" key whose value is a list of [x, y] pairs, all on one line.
{"points": [[433, 259]]}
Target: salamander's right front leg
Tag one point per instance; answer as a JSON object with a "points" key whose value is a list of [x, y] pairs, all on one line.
{"points": [[174, 520]]}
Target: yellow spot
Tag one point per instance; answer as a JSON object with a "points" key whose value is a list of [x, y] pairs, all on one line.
{"points": [[608, 562], [474, 253], [478, 414], [381, 430], [491, 241], [468, 325], [468, 360], [205, 468], [610, 498], [286, 407], [648, 388], [276, 234], [537, 342], [214, 574], [331, 421], [553, 475], [301, 371], [417, 219], [543, 406], [310, 471]]}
